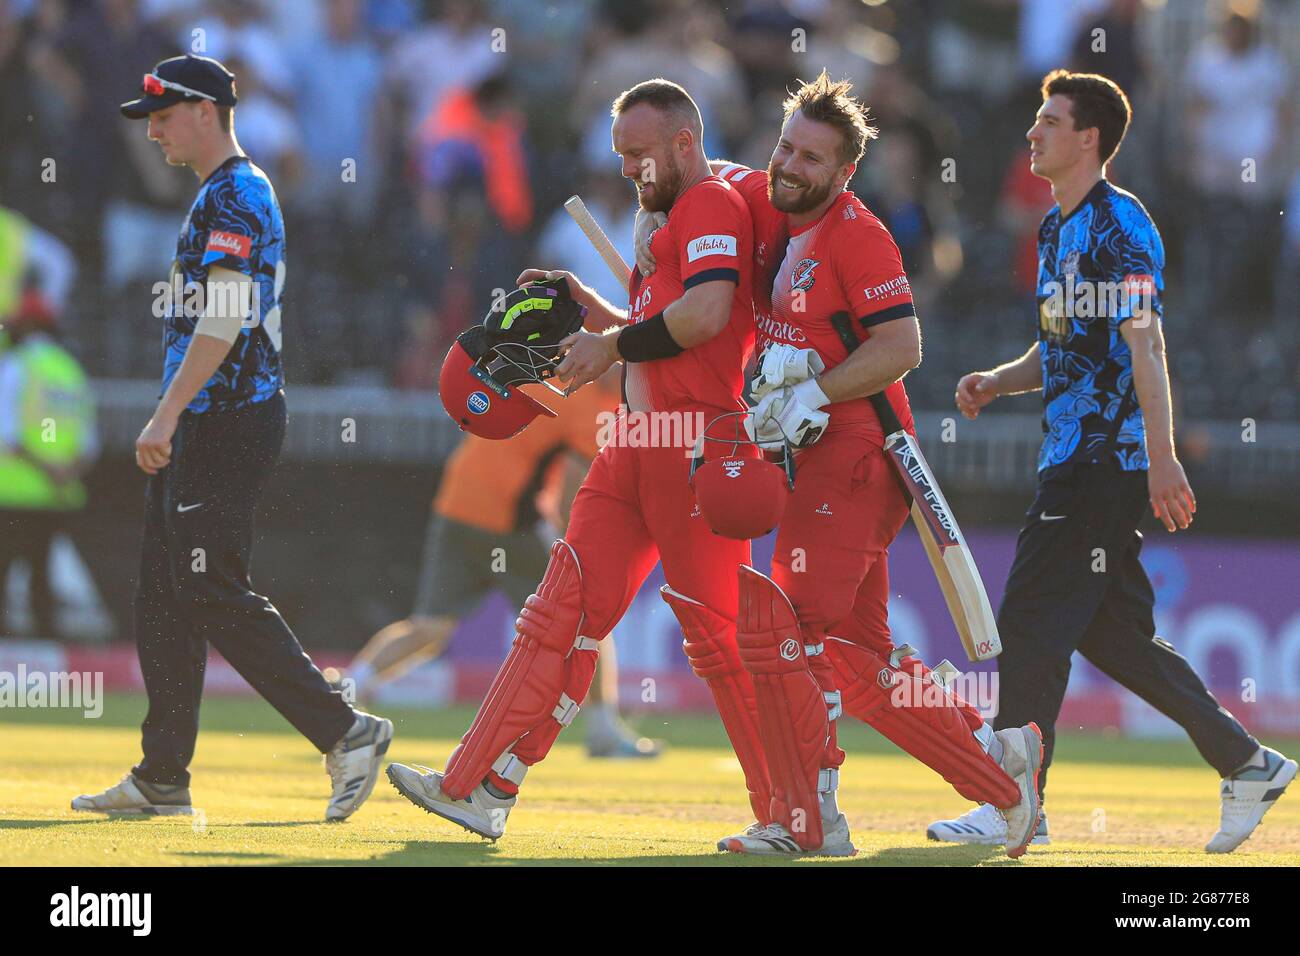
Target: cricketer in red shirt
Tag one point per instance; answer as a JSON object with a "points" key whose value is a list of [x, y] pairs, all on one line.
{"points": [[842, 264], [685, 338], [829, 277]]}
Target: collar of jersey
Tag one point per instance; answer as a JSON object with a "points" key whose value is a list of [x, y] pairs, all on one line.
{"points": [[840, 200], [225, 165], [1095, 193]]}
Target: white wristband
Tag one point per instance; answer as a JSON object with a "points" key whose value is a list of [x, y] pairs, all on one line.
{"points": [[810, 394]]}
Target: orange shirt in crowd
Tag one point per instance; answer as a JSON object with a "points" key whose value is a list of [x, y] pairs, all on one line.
{"points": [[494, 485]]}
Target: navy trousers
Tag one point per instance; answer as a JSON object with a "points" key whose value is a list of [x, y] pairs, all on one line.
{"points": [[195, 590], [1077, 584]]}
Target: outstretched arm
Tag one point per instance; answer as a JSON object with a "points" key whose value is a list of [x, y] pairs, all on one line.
{"points": [[977, 389]]}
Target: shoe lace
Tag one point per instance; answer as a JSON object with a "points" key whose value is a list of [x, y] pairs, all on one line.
{"points": [[1233, 806]]}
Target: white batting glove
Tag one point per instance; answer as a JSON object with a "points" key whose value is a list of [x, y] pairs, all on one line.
{"points": [[782, 365], [792, 414]]}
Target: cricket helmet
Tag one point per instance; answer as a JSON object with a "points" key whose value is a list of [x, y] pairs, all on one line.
{"points": [[477, 401], [741, 492], [517, 343]]}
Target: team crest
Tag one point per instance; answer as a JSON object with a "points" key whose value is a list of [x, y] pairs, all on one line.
{"points": [[1070, 266], [801, 277]]}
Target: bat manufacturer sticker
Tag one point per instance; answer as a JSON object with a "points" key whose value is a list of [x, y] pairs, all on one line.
{"points": [[922, 487]]}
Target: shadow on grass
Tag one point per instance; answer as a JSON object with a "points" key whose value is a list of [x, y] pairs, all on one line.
{"points": [[694, 730], [251, 824], [431, 853], [76, 821]]}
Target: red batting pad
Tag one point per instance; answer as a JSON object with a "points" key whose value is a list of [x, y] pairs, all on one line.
{"points": [[710, 645], [938, 736], [527, 688], [792, 715]]}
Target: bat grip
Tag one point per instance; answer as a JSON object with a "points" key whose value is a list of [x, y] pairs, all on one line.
{"points": [[885, 412]]}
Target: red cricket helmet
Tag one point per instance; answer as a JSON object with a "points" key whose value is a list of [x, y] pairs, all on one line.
{"points": [[741, 492], [518, 342], [479, 402]]}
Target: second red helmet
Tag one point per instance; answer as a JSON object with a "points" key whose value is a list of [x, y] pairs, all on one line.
{"points": [[740, 491]]}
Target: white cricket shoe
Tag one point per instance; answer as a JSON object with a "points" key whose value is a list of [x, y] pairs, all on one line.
{"points": [[776, 840], [1022, 758], [138, 796], [353, 764], [1247, 795], [984, 825], [480, 812]]}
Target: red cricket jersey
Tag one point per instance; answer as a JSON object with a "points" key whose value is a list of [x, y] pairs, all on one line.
{"points": [[846, 261], [708, 236], [771, 232]]}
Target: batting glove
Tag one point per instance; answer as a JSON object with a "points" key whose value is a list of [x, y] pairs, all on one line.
{"points": [[782, 365], [791, 414]]}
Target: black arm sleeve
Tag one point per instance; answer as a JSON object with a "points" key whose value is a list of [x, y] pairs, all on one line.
{"points": [[648, 340]]}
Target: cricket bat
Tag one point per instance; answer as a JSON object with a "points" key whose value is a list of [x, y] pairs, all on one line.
{"points": [[959, 578], [576, 208], [954, 568]]}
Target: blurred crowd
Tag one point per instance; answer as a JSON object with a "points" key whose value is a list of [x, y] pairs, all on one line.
{"points": [[421, 151]]}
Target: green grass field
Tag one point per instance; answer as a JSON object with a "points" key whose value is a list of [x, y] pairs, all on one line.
{"points": [[262, 790]]}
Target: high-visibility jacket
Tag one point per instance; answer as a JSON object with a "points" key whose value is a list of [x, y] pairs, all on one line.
{"points": [[46, 409], [13, 260]]}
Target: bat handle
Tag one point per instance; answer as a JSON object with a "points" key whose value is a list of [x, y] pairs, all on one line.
{"points": [[885, 412], [842, 323]]}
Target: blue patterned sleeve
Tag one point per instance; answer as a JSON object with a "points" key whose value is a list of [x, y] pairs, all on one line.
{"points": [[235, 220], [1134, 258]]}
